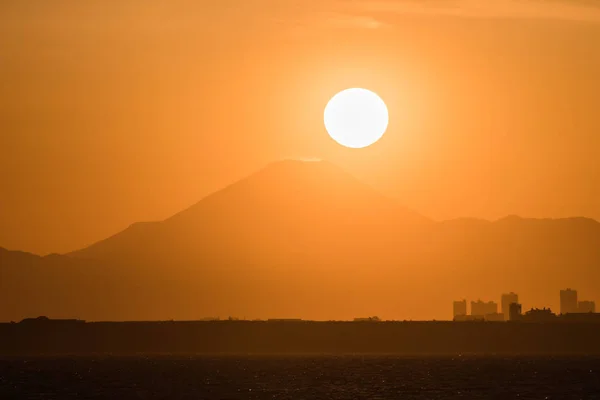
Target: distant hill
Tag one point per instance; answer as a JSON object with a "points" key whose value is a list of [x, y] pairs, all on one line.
{"points": [[17, 257], [303, 239]]}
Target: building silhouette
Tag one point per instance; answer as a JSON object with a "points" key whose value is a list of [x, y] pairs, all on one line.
{"points": [[368, 319], [496, 317], [506, 300], [539, 315], [586, 306], [568, 301], [460, 308], [469, 318], [284, 320], [482, 308], [580, 317], [514, 312], [45, 321], [572, 310]]}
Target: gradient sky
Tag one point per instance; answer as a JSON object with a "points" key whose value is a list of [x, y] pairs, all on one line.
{"points": [[117, 112]]}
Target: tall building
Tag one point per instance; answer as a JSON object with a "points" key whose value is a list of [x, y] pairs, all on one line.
{"points": [[586, 307], [514, 312], [483, 308], [460, 308], [568, 301], [506, 301]]}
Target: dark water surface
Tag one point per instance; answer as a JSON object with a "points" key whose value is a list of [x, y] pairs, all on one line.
{"points": [[351, 377]]}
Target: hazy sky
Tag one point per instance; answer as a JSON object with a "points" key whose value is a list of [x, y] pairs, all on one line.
{"points": [[116, 112]]}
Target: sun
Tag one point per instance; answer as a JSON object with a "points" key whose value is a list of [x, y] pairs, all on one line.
{"points": [[356, 118]]}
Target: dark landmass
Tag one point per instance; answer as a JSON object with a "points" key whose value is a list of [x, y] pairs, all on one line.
{"points": [[303, 239], [297, 337]]}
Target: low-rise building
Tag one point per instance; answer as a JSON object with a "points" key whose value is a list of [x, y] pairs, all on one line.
{"points": [[539, 315], [586, 306], [496, 317], [469, 318], [367, 319]]}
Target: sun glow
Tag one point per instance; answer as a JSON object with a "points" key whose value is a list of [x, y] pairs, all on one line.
{"points": [[356, 118]]}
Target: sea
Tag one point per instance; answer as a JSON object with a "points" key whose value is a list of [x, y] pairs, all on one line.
{"points": [[300, 377]]}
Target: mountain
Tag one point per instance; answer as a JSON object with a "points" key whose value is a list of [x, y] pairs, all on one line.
{"points": [[17, 257], [286, 205], [303, 239]]}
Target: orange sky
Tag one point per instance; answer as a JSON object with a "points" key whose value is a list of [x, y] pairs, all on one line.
{"points": [[116, 112]]}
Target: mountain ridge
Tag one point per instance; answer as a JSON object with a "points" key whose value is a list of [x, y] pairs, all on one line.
{"points": [[303, 240], [279, 196]]}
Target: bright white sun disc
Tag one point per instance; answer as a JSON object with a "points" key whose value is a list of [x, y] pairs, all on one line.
{"points": [[356, 118]]}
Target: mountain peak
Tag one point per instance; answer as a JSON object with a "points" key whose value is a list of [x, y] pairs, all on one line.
{"points": [[291, 199], [291, 168], [292, 187]]}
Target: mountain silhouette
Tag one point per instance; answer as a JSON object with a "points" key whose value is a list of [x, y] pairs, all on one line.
{"points": [[303, 239], [286, 205]]}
